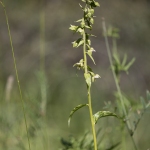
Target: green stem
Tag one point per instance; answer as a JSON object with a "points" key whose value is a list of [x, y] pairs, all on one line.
{"points": [[89, 93], [42, 58], [128, 125], [42, 35], [17, 76]]}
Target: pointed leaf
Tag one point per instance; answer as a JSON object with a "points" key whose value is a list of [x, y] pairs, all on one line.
{"points": [[96, 76], [88, 42], [101, 114], [89, 52], [124, 60], [74, 110], [92, 35], [79, 20], [81, 6], [129, 64], [80, 30], [90, 55], [97, 4], [80, 64], [91, 11], [78, 42], [88, 27], [73, 28], [92, 21], [116, 58], [88, 79], [89, 68]]}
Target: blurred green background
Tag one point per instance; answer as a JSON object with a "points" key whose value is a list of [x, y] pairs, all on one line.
{"points": [[55, 88]]}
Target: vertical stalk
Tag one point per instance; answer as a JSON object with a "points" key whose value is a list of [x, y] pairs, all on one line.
{"points": [[17, 76], [42, 35], [128, 125], [42, 58], [89, 93]]}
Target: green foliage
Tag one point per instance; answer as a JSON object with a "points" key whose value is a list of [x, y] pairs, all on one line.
{"points": [[118, 64], [101, 114], [85, 142], [123, 103], [74, 110], [45, 110]]}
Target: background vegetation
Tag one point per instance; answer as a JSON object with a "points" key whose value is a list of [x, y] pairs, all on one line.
{"points": [[63, 89]]}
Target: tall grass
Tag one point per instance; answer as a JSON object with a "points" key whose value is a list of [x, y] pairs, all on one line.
{"points": [[42, 73], [15, 67]]}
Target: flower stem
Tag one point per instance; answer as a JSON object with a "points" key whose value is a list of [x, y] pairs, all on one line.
{"points": [[89, 93]]}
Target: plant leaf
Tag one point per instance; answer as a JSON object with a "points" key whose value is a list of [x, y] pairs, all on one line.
{"points": [[129, 64], [91, 20], [124, 60], [78, 42], [96, 76], [79, 65], [74, 110], [88, 79], [73, 28], [101, 114], [89, 52]]}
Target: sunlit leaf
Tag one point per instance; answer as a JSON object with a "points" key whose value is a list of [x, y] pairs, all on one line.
{"points": [[79, 20], [88, 27], [80, 30], [97, 4], [78, 42], [89, 15], [92, 35], [101, 114], [88, 79], [89, 52], [96, 76], [91, 11], [80, 5], [74, 110], [91, 20], [73, 28], [88, 42], [79, 65]]}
